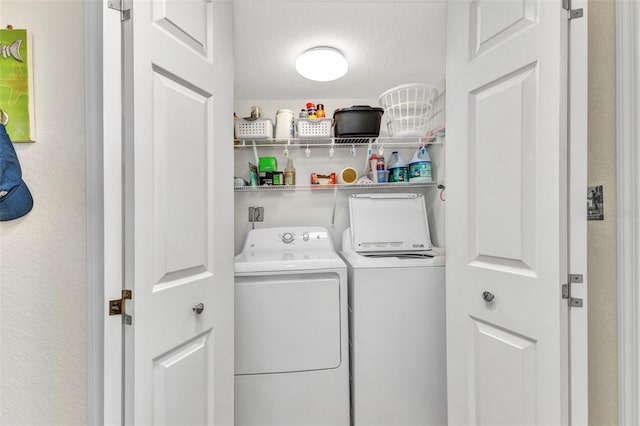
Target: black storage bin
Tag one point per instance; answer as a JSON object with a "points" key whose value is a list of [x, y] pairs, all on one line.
{"points": [[358, 121]]}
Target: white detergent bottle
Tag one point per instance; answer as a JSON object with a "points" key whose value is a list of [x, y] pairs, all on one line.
{"points": [[420, 167], [398, 170]]}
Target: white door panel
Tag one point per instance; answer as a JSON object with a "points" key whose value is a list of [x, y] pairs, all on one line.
{"points": [[179, 212], [506, 214], [503, 376], [495, 22], [186, 21], [502, 126], [176, 371], [181, 121]]}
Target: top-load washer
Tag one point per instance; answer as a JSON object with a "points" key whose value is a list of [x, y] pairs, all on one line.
{"points": [[396, 313], [291, 336]]}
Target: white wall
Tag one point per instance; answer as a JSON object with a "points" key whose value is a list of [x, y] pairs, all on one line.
{"points": [[316, 207], [43, 340]]}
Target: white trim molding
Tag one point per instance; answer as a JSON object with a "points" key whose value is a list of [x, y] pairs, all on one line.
{"points": [[95, 209], [628, 160]]}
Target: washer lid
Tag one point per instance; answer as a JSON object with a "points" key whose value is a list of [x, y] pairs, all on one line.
{"points": [[434, 257], [389, 223]]}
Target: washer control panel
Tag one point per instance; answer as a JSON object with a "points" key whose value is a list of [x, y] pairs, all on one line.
{"points": [[303, 236], [290, 238]]}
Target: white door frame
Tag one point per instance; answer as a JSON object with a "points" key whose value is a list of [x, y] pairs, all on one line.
{"points": [[95, 207], [103, 189], [628, 175], [578, 150], [104, 206]]}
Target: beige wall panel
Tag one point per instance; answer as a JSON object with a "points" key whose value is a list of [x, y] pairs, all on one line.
{"points": [[603, 372]]}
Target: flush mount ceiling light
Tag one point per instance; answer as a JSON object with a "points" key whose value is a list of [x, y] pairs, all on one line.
{"points": [[322, 64]]}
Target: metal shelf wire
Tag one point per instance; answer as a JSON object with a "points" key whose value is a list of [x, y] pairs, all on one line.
{"points": [[387, 142], [339, 186], [339, 143]]}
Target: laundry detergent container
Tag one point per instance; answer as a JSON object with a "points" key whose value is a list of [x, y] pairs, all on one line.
{"points": [[358, 121]]}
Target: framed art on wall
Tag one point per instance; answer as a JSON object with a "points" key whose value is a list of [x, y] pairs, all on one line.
{"points": [[16, 84]]}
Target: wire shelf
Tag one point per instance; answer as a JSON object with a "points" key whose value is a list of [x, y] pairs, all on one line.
{"points": [[389, 142], [338, 186]]}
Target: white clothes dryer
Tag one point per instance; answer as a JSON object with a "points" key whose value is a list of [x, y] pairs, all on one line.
{"points": [[291, 336], [396, 313]]}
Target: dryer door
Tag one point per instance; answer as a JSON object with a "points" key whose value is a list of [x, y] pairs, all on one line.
{"points": [[287, 323]]}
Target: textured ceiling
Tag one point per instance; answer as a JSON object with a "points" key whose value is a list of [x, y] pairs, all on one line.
{"points": [[387, 43]]}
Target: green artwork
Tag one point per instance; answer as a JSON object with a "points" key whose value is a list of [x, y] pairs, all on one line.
{"points": [[14, 83]]}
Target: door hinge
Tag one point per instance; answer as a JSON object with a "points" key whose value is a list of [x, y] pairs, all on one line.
{"points": [[574, 302], [573, 13], [117, 306], [119, 5]]}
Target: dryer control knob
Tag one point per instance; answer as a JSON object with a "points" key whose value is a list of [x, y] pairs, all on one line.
{"points": [[287, 237]]}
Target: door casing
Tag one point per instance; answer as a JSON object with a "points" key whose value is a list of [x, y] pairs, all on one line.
{"points": [[104, 205]]}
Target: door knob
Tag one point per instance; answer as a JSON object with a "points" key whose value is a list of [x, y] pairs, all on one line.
{"points": [[487, 296], [198, 308]]}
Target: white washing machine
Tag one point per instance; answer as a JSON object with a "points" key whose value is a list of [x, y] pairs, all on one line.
{"points": [[291, 335], [396, 313]]}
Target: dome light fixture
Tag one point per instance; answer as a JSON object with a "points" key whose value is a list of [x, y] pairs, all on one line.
{"points": [[322, 64]]}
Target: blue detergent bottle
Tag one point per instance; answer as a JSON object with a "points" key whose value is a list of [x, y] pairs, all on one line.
{"points": [[420, 167], [398, 170]]}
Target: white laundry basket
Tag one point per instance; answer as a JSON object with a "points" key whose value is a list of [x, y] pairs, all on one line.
{"points": [[408, 109]]}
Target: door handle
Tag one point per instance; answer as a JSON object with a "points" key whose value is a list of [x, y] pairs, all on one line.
{"points": [[198, 308], [487, 296]]}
